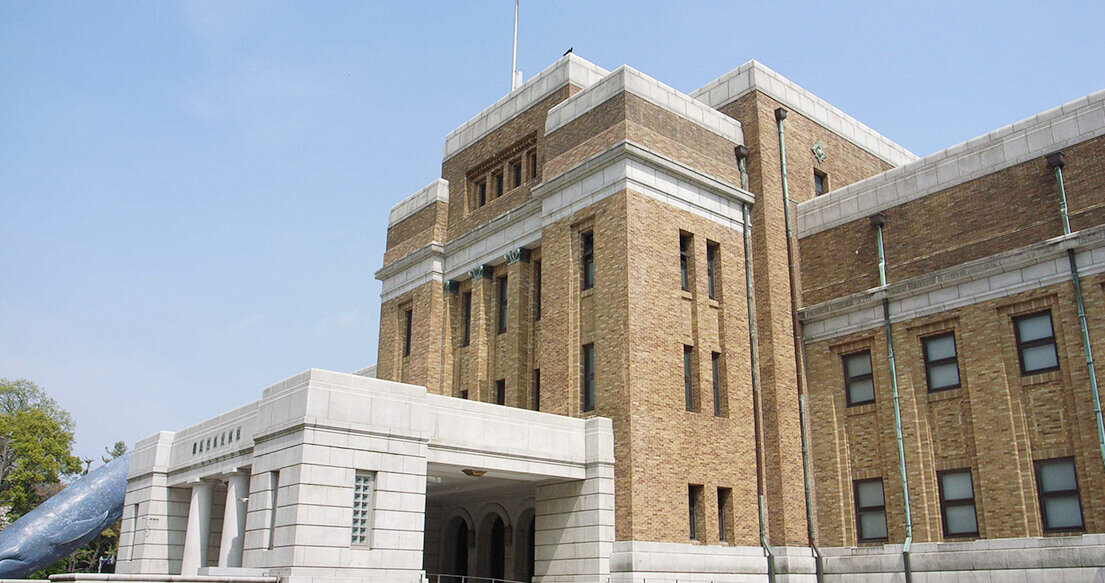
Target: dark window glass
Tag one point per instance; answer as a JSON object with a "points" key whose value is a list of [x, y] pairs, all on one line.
{"points": [[498, 184], [693, 494], [1060, 502], [502, 304], [724, 512], [533, 164], [464, 394], [688, 376], [870, 510], [685, 262], [408, 316], [957, 503], [941, 362], [536, 389], [588, 383], [858, 381], [467, 307], [536, 290], [820, 183], [587, 243], [1036, 343], [500, 392], [715, 363], [481, 194], [516, 173], [711, 269]]}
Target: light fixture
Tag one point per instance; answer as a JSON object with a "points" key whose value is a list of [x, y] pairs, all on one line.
{"points": [[474, 473]]}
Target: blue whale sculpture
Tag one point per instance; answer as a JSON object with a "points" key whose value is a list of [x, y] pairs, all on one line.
{"points": [[65, 522]]}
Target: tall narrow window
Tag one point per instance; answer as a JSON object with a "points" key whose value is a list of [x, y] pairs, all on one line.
{"points": [[532, 164], [688, 376], [820, 183], [464, 394], [364, 488], [536, 389], [516, 172], [715, 366], [685, 261], [870, 510], [500, 392], [1036, 343], [536, 290], [274, 494], [941, 362], [587, 263], [694, 501], [408, 317], [957, 503], [724, 514], [588, 381], [498, 184], [1060, 502], [481, 193], [467, 307], [502, 304], [859, 384], [711, 269]]}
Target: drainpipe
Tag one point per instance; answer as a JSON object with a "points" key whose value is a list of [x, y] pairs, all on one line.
{"points": [[878, 220], [1055, 162], [750, 296], [799, 347]]}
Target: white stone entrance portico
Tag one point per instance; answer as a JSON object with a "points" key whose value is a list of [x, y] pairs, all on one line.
{"points": [[341, 477]]}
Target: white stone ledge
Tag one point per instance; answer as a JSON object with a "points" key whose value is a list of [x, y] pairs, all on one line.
{"points": [[754, 76], [629, 80], [1075, 122], [436, 191]]}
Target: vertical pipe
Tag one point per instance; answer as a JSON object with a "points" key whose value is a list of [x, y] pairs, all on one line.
{"points": [[750, 296], [878, 220], [799, 347], [1055, 161], [514, 53]]}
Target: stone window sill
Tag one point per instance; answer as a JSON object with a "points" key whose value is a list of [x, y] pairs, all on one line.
{"points": [[860, 409], [1041, 378], [946, 394]]}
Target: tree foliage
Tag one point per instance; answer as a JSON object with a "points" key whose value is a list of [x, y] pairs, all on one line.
{"points": [[23, 395], [34, 453]]}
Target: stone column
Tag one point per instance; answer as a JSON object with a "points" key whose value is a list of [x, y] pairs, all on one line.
{"points": [[198, 530], [234, 520]]}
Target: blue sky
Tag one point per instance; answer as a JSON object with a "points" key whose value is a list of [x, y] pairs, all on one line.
{"points": [[194, 196]]}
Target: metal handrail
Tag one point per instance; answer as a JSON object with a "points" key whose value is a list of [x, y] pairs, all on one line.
{"points": [[443, 578]]}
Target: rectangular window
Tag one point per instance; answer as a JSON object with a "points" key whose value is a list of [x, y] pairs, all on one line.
{"points": [[516, 172], [467, 307], [364, 489], [274, 482], [1060, 502], [532, 164], [957, 503], [694, 497], [724, 514], [941, 362], [536, 389], [498, 184], [464, 394], [481, 193], [587, 262], [688, 376], [1036, 343], [870, 510], [859, 384], [588, 384], [502, 304], [715, 366], [500, 392], [685, 261], [820, 183], [536, 290], [711, 269], [408, 317]]}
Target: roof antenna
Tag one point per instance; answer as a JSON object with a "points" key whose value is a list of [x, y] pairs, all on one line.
{"points": [[515, 74]]}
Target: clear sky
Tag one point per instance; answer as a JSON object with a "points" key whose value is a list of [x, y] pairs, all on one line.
{"points": [[194, 196]]}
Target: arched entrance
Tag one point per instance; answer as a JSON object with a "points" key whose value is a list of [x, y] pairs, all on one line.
{"points": [[496, 550], [455, 551], [524, 547]]}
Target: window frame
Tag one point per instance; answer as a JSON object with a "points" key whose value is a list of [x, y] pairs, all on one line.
{"points": [[712, 251], [847, 379], [587, 380], [408, 329], [1041, 496], [688, 378], [1022, 346], [537, 290], [724, 514], [587, 259], [466, 305], [500, 183], [945, 503], [715, 365], [532, 155], [516, 170], [481, 193], [941, 361], [686, 246], [536, 389], [500, 392], [366, 505], [817, 174], [694, 492], [502, 297], [860, 510]]}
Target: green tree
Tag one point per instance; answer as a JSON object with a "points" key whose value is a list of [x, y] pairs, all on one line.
{"points": [[114, 451], [35, 452], [23, 395]]}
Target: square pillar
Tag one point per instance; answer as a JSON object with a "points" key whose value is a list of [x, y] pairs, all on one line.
{"points": [[198, 531]]}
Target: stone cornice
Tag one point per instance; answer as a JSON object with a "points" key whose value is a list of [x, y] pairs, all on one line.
{"points": [[432, 249]]}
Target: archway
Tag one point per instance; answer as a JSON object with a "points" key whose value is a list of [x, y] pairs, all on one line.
{"points": [[496, 550], [454, 556], [494, 545], [524, 547]]}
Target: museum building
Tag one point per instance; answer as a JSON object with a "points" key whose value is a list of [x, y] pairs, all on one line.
{"points": [[633, 334]]}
